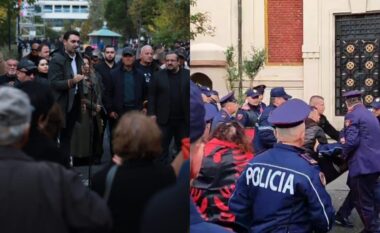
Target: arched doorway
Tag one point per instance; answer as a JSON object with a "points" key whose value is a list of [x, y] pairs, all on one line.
{"points": [[201, 79]]}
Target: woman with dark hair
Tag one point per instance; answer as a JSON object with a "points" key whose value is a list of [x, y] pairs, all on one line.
{"points": [[42, 145], [42, 71], [87, 137], [227, 153], [137, 143]]}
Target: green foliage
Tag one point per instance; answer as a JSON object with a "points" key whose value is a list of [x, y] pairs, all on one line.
{"points": [[232, 69], [253, 63], [200, 23], [118, 18]]}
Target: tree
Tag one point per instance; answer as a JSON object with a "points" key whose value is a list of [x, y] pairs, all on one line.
{"points": [[253, 63], [12, 9], [118, 18], [200, 23]]}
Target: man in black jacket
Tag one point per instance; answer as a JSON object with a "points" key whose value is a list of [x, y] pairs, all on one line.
{"points": [[65, 80], [40, 197], [126, 91], [318, 102], [168, 103]]}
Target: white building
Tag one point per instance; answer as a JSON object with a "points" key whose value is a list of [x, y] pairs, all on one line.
{"points": [[56, 11]]}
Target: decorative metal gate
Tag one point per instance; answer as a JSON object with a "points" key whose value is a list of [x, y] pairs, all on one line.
{"points": [[357, 58]]}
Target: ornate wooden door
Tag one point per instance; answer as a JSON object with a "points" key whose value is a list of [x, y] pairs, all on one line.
{"points": [[357, 58]]}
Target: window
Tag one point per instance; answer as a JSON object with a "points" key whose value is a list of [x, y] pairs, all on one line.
{"points": [[58, 9], [47, 9], [75, 9], [66, 9], [84, 9]]}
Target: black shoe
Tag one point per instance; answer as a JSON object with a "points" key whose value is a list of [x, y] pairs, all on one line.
{"points": [[344, 222]]}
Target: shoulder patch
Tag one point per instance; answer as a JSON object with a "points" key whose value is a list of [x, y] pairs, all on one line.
{"points": [[309, 159], [322, 178], [239, 116]]}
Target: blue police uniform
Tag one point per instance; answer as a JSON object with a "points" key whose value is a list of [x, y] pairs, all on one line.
{"points": [[282, 190], [261, 89], [265, 138], [362, 151], [249, 118], [376, 105], [223, 116]]}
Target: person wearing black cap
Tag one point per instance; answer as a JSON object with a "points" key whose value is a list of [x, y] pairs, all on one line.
{"points": [[287, 178], [126, 90], [26, 71], [361, 149], [265, 138], [229, 107]]}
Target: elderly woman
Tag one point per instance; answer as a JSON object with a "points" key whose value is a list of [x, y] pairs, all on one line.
{"points": [[226, 155], [137, 142]]}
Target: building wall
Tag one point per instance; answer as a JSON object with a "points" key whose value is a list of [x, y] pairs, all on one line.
{"points": [[306, 73], [285, 29]]}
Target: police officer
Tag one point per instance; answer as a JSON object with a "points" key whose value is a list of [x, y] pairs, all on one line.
{"points": [[261, 89], [376, 108], [361, 149], [265, 137], [210, 96], [287, 178], [211, 112], [229, 106], [249, 115]]}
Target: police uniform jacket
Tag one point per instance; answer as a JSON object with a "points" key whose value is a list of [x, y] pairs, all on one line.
{"points": [[249, 118], [265, 138], [221, 117], [41, 197], [361, 147], [282, 191]]}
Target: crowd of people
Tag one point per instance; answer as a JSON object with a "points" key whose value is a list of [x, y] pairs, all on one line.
{"points": [[248, 168], [55, 109], [282, 189]]}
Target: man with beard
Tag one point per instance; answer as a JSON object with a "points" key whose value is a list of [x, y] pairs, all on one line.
{"points": [[10, 76], [104, 69], [66, 82], [168, 103], [33, 55]]}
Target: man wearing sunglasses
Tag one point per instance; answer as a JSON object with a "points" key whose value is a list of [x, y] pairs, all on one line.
{"points": [[33, 55], [26, 70]]}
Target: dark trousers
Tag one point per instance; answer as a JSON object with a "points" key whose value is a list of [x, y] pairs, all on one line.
{"points": [[176, 129], [363, 188], [347, 206], [67, 132]]}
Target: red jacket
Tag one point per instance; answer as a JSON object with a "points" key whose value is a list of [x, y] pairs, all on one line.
{"points": [[221, 167]]}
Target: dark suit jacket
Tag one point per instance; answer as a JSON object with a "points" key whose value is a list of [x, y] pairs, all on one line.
{"points": [[159, 95], [116, 91], [59, 72]]}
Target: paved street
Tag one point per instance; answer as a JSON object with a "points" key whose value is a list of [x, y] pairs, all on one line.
{"points": [[338, 191]]}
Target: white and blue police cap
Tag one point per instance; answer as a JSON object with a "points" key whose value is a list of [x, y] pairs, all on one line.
{"points": [[211, 111], [230, 97], [279, 92], [260, 88], [352, 94], [290, 114], [253, 93], [205, 90], [376, 103]]}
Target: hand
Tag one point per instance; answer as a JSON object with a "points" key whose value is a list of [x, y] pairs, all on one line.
{"points": [[316, 145], [113, 115], [342, 140], [77, 78], [117, 160]]}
